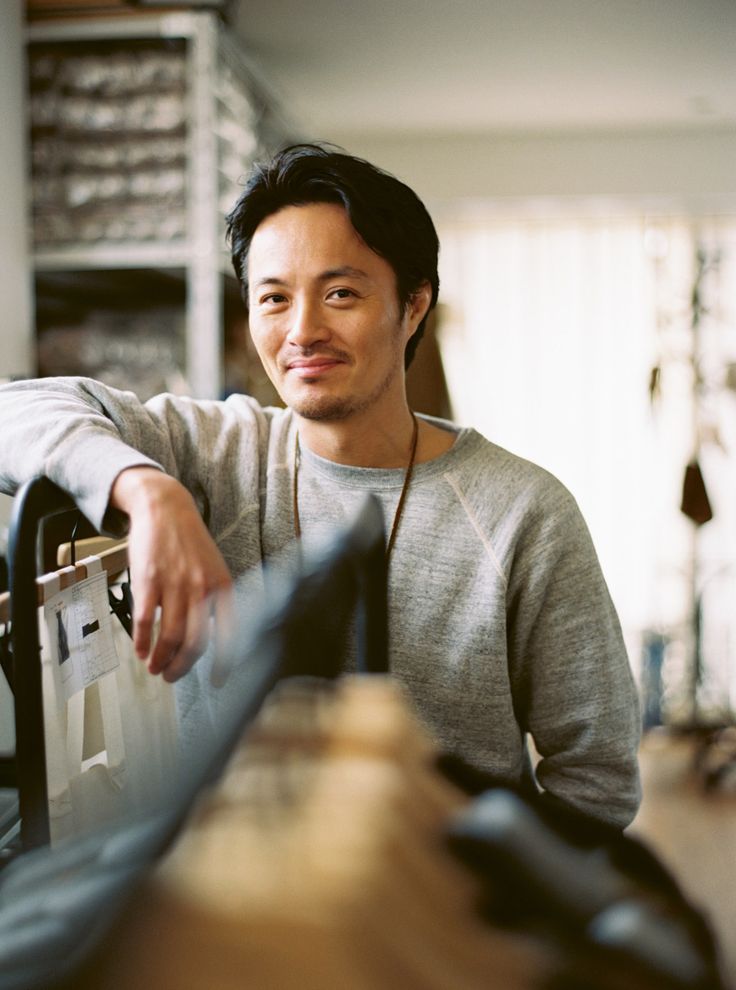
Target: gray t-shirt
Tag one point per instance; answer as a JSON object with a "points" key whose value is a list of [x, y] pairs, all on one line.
{"points": [[499, 617]]}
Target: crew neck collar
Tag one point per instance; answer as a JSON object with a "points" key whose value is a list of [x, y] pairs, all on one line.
{"points": [[373, 477]]}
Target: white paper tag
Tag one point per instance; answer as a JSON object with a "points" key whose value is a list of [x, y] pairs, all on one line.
{"points": [[78, 622]]}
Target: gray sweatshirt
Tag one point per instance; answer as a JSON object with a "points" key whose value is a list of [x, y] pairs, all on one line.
{"points": [[500, 620]]}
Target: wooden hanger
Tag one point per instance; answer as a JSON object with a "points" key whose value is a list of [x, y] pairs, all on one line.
{"points": [[114, 561]]}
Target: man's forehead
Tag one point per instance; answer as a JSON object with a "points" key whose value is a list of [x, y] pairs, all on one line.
{"points": [[302, 216], [317, 237]]}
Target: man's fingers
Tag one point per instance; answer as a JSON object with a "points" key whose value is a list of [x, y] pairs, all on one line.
{"points": [[182, 639], [144, 610], [174, 564], [171, 634], [194, 643]]}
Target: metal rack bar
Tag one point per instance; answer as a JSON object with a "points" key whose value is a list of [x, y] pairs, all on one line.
{"points": [[155, 25], [131, 255], [148, 254], [204, 282], [37, 498]]}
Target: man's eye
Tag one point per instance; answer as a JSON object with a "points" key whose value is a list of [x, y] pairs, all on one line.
{"points": [[342, 294], [273, 298]]}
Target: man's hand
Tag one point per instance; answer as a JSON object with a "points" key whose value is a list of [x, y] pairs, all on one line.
{"points": [[174, 564]]}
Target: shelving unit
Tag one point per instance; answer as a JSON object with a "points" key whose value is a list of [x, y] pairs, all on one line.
{"points": [[141, 130]]}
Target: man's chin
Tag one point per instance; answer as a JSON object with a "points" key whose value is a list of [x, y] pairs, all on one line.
{"points": [[318, 403], [323, 409]]}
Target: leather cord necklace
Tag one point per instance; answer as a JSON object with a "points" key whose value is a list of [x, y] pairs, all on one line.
{"points": [[402, 496]]}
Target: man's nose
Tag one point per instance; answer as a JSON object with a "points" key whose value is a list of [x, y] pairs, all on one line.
{"points": [[307, 325]]}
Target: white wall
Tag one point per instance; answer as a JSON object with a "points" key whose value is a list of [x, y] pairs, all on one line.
{"points": [[6, 503], [16, 324], [679, 169]]}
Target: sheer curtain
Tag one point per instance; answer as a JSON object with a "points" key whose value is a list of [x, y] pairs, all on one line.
{"points": [[550, 329]]}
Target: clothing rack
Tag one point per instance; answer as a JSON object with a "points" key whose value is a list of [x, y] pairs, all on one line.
{"points": [[351, 574], [35, 502], [112, 560]]}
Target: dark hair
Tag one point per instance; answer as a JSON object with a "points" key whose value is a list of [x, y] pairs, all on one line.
{"points": [[385, 212]]}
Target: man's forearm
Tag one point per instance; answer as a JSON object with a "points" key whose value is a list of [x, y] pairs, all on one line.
{"points": [[175, 566], [139, 486], [112, 454], [63, 429]]}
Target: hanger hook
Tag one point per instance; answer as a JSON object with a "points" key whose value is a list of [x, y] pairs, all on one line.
{"points": [[73, 545]]}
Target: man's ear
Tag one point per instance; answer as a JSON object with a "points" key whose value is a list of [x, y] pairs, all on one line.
{"points": [[418, 306]]}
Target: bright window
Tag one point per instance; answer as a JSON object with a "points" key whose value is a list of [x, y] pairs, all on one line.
{"points": [[550, 331]]}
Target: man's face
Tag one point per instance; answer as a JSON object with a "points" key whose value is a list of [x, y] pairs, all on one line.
{"points": [[325, 316]]}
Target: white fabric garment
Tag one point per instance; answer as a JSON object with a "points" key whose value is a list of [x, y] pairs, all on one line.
{"points": [[111, 748]]}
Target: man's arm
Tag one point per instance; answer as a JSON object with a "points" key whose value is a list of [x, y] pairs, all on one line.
{"points": [[79, 434], [111, 452], [572, 681], [174, 565]]}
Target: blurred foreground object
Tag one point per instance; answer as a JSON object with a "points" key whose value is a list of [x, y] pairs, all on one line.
{"points": [[309, 846], [318, 863], [615, 911]]}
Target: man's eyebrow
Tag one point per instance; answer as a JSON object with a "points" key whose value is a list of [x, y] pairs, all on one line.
{"points": [[342, 272], [268, 280]]}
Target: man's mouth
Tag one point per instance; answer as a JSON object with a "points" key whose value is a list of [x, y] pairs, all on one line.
{"points": [[313, 366]]}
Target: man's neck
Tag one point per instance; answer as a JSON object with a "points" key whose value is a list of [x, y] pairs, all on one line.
{"points": [[365, 441], [362, 441]]}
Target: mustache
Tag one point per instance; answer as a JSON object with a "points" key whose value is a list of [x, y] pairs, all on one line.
{"points": [[303, 353]]}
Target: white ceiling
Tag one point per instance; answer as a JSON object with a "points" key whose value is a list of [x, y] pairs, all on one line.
{"points": [[388, 66]]}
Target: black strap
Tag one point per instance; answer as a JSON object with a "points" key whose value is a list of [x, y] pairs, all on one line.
{"points": [[123, 607]]}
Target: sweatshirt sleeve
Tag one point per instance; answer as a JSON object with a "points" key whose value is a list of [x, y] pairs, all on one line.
{"points": [[82, 434], [570, 673]]}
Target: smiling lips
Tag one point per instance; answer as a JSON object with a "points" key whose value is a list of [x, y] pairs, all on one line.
{"points": [[312, 367]]}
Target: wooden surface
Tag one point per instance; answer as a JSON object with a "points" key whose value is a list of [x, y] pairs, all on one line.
{"points": [[693, 832], [318, 864]]}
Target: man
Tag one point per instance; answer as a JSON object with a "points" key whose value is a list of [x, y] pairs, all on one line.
{"points": [[500, 620]]}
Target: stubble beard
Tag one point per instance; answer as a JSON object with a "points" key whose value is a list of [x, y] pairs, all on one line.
{"points": [[328, 408]]}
